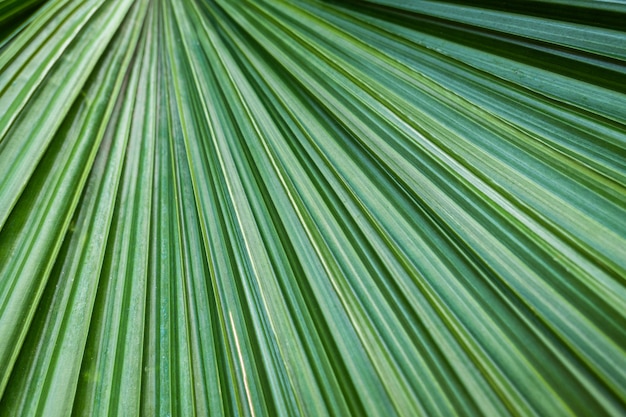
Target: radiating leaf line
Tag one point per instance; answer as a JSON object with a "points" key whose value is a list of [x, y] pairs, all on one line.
{"points": [[312, 208]]}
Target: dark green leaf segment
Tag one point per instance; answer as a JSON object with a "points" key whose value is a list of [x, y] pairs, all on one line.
{"points": [[309, 208]]}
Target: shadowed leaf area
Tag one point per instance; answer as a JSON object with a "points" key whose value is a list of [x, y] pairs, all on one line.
{"points": [[308, 208]]}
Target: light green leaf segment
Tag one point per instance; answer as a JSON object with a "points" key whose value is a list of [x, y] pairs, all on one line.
{"points": [[309, 208]]}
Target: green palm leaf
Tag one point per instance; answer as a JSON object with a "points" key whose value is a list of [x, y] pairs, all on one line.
{"points": [[308, 208]]}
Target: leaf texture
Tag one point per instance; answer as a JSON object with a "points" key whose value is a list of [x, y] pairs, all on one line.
{"points": [[213, 207]]}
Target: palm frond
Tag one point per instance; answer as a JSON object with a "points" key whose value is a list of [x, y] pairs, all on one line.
{"points": [[308, 208]]}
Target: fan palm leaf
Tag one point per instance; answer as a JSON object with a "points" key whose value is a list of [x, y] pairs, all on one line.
{"points": [[308, 208]]}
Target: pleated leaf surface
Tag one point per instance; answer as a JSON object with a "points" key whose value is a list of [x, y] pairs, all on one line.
{"points": [[283, 208]]}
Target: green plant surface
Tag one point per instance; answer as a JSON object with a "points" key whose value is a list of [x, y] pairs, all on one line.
{"points": [[282, 208]]}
